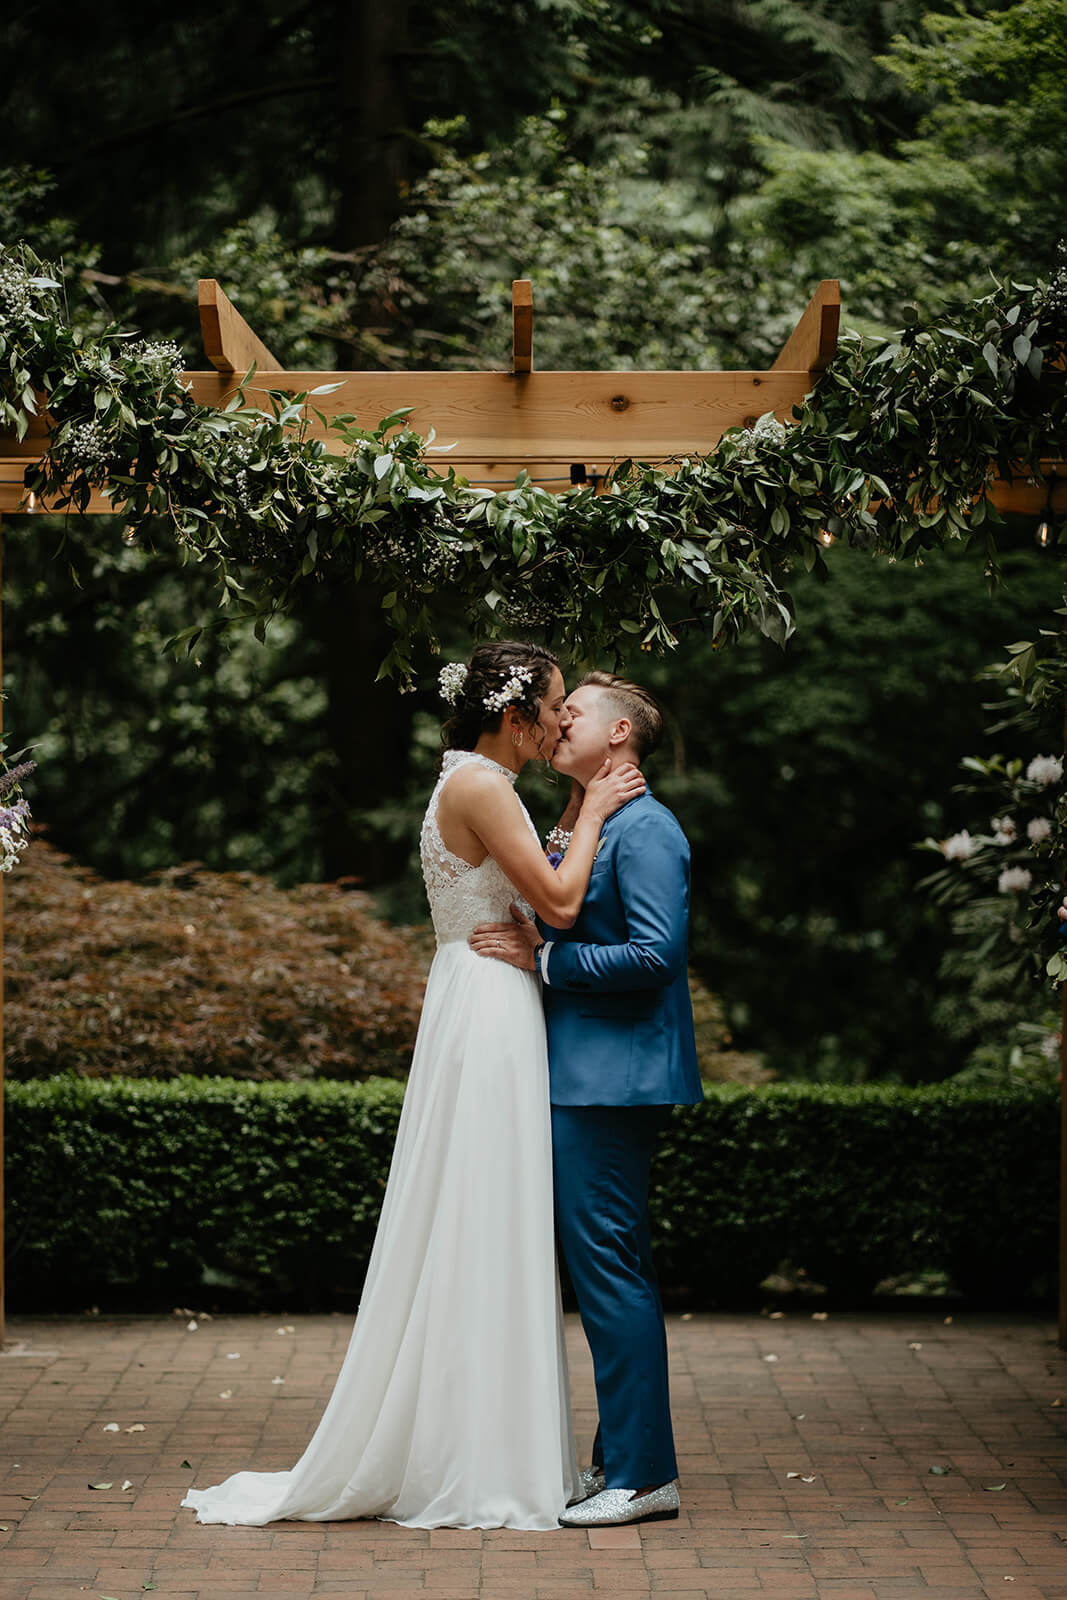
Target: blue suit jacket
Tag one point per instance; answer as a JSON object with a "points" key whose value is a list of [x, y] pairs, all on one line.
{"points": [[617, 1006]]}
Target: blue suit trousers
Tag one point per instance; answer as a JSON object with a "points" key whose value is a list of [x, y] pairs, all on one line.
{"points": [[601, 1156]]}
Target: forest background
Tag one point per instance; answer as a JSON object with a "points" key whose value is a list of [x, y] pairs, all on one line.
{"points": [[365, 182]]}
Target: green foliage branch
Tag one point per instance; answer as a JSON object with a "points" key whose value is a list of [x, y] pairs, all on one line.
{"points": [[1001, 875], [893, 451], [138, 1188]]}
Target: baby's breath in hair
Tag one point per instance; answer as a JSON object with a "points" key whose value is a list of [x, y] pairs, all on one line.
{"points": [[519, 681], [500, 674]]}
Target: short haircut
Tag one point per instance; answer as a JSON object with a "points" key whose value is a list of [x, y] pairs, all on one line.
{"points": [[636, 704]]}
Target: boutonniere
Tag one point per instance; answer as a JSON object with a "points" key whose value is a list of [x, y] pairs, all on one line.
{"points": [[599, 846]]}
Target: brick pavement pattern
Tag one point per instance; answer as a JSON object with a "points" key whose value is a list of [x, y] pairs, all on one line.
{"points": [[806, 1448]]}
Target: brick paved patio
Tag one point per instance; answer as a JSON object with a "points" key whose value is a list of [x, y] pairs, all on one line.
{"points": [[862, 1406]]}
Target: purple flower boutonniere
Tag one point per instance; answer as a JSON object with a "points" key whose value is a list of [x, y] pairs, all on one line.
{"points": [[554, 859]]}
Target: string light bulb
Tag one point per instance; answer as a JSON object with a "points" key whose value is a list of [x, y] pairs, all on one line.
{"points": [[1043, 533], [33, 501], [825, 536]]}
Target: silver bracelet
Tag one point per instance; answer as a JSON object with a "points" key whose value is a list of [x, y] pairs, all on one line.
{"points": [[559, 839]]}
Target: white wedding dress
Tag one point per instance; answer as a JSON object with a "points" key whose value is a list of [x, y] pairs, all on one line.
{"points": [[452, 1406]]}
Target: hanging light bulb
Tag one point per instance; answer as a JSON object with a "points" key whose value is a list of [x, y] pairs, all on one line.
{"points": [[825, 536], [1043, 533], [33, 502]]}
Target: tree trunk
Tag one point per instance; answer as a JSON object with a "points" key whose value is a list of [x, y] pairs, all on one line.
{"points": [[368, 723], [368, 726], [372, 118]]}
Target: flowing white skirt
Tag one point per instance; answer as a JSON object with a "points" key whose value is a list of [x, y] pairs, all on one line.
{"points": [[452, 1406]]}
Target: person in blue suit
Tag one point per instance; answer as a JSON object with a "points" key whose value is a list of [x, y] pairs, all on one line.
{"points": [[621, 1053]]}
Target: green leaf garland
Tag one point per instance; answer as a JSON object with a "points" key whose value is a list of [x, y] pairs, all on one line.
{"points": [[893, 451]]}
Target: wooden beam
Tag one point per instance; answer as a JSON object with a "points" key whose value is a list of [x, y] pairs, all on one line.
{"points": [[522, 326], [1021, 498], [3, 1324], [498, 423], [229, 343], [583, 416], [580, 416], [813, 342]]}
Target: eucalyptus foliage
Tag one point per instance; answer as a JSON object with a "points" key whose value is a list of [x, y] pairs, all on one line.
{"points": [[893, 451]]}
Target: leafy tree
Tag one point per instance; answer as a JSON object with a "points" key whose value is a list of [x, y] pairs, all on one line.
{"points": [[980, 188], [805, 777], [676, 178]]}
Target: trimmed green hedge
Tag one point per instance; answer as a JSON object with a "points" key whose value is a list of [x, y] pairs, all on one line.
{"points": [[857, 1184], [137, 1191]]}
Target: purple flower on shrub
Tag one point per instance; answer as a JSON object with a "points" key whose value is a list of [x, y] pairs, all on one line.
{"points": [[8, 780]]}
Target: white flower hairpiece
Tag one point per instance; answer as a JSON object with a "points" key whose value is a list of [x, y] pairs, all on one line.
{"points": [[450, 680], [516, 686]]}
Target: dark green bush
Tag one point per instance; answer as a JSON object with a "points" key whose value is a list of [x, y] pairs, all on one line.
{"points": [[857, 1184], [137, 1188], [139, 1191]]}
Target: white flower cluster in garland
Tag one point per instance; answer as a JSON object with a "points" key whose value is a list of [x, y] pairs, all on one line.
{"points": [[520, 680], [163, 351], [86, 448], [17, 290]]}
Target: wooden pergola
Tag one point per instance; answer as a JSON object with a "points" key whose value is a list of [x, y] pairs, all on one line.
{"points": [[563, 428]]}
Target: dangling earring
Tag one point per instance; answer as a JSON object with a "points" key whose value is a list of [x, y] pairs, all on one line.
{"points": [[517, 737]]}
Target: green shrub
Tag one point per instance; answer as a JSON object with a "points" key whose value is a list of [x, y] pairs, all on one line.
{"points": [[138, 1188], [860, 1183], [140, 1191]]}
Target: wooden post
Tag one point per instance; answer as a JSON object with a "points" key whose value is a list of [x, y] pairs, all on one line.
{"points": [[229, 342], [813, 342], [2, 1323], [1063, 1147], [1063, 1167], [522, 325]]}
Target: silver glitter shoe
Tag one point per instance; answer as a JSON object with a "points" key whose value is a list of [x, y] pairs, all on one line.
{"points": [[613, 1507], [590, 1482]]}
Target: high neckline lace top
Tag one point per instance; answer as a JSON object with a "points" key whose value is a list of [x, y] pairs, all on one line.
{"points": [[462, 895], [454, 758]]}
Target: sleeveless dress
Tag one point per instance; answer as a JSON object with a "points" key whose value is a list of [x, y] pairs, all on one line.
{"points": [[452, 1406]]}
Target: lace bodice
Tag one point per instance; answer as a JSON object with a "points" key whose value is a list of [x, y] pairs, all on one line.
{"points": [[462, 896]]}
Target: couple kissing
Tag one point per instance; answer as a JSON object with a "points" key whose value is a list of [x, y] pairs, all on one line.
{"points": [[556, 1034]]}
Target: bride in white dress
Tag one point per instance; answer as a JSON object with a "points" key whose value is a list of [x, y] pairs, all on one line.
{"points": [[452, 1405]]}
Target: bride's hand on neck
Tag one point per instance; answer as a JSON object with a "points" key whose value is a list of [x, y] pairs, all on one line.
{"points": [[611, 789]]}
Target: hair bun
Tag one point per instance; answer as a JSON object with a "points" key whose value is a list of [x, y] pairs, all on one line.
{"points": [[505, 673]]}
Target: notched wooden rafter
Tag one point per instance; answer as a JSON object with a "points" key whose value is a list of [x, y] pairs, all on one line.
{"points": [[522, 326], [229, 343], [813, 342]]}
